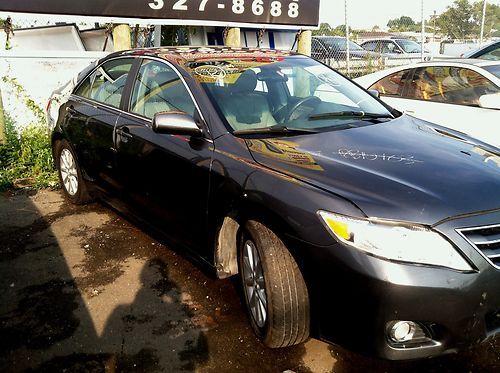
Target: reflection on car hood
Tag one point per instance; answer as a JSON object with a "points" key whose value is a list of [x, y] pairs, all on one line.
{"points": [[403, 169]]}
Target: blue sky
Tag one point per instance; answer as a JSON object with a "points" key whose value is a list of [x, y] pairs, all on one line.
{"points": [[368, 13]]}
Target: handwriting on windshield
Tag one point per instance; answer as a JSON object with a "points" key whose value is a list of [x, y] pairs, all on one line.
{"points": [[360, 155]]}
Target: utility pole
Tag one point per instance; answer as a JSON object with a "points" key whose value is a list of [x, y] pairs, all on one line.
{"points": [[434, 27], [482, 24], [423, 33], [347, 39]]}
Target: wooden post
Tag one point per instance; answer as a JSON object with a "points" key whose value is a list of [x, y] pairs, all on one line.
{"points": [[233, 38], [121, 37], [304, 44]]}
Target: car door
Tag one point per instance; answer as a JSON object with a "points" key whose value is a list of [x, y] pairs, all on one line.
{"points": [[90, 117], [164, 178], [449, 96], [391, 89]]}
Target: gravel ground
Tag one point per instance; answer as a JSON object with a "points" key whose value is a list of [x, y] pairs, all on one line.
{"points": [[83, 290]]}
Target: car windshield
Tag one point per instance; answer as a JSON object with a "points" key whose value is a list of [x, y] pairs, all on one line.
{"points": [[340, 44], [410, 46], [494, 69], [292, 95]]}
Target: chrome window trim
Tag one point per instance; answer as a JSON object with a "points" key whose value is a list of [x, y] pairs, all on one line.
{"points": [[120, 111], [460, 232], [96, 67], [173, 67], [94, 102]]}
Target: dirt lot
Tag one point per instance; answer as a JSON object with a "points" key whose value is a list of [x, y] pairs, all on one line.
{"points": [[83, 290]]}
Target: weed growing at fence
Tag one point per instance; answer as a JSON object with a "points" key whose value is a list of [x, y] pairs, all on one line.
{"points": [[26, 159]]}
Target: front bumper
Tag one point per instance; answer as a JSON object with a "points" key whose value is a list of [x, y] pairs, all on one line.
{"points": [[355, 296]]}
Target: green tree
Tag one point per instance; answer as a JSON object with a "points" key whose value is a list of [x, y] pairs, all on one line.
{"points": [[324, 29], [492, 20], [403, 23], [457, 21]]}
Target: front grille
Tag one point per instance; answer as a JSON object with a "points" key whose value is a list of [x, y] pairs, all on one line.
{"points": [[486, 240]]}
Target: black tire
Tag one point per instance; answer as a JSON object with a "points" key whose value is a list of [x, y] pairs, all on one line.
{"points": [[80, 195], [287, 322]]}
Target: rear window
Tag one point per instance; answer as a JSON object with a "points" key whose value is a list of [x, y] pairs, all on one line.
{"points": [[495, 70], [106, 84]]}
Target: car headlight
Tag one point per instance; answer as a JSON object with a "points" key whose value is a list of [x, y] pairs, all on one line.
{"points": [[395, 241]]}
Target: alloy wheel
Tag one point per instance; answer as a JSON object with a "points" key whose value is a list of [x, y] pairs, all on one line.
{"points": [[69, 173], [254, 284]]}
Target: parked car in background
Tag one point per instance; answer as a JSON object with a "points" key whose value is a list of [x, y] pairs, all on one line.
{"points": [[344, 219], [396, 48], [335, 48], [332, 50], [488, 52], [460, 94]]}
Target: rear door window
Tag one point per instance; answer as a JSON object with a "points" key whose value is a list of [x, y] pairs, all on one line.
{"points": [[371, 45], [107, 83]]}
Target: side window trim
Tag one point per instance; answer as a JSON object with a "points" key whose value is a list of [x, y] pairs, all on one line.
{"points": [[407, 84], [174, 68], [127, 93], [93, 71]]}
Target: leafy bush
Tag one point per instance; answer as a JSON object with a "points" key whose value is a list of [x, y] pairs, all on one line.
{"points": [[26, 158]]}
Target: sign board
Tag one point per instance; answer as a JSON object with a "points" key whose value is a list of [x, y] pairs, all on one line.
{"points": [[293, 13]]}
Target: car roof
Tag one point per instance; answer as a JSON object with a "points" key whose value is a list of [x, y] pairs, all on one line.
{"points": [[181, 55], [455, 62], [463, 62], [386, 39], [328, 37]]}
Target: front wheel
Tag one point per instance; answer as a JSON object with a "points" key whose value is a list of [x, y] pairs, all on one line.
{"points": [[70, 174], [274, 290]]}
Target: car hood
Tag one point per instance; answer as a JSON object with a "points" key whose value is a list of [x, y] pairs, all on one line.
{"points": [[405, 169]]}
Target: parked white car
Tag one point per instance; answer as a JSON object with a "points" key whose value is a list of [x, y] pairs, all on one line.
{"points": [[460, 94]]}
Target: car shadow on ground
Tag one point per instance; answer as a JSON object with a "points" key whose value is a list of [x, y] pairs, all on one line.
{"points": [[51, 318], [83, 290]]}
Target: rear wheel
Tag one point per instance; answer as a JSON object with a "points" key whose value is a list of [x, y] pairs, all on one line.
{"points": [[274, 289], [70, 174]]}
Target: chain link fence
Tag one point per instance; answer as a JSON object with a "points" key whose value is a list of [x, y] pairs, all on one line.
{"points": [[355, 51]]}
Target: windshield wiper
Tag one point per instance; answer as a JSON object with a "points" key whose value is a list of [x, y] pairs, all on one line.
{"points": [[275, 129], [349, 114]]}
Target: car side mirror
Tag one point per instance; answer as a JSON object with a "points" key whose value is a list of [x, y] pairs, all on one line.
{"points": [[175, 123], [491, 101], [374, 93]]}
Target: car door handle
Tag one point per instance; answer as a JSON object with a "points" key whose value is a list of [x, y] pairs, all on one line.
{"points": [[71, 112], [124, 133]]}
